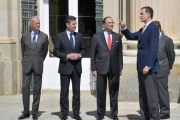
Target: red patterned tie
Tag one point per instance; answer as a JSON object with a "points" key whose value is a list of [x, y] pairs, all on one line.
{"points": [[109, 41]]}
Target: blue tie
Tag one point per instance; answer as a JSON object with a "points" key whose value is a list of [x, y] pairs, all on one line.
{"points": [[34, 40], [71, 41]]}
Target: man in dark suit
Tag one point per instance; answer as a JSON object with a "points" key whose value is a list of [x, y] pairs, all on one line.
{"points": [[34, 46], [69, 47], [107, 62], [166, 57], [147, 63]]}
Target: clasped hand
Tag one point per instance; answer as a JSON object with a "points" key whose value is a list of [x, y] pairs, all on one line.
{"points": [[73, 56]]}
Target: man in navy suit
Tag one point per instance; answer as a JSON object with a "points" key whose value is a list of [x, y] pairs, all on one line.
{"points": [[147, 63], [69, 47]]}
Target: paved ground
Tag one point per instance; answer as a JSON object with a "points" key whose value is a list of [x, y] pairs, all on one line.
{"points": [[11, 107]]}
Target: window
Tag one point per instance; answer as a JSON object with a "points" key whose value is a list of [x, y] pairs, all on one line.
{"points": [[58, 10], [29, 9], [86, 22]]}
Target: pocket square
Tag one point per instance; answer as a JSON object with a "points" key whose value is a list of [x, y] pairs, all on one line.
{"points": [[116, 41]]}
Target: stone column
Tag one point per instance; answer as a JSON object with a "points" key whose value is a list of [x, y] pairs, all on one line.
{"points": [[165, 11], [111, 8], [10, 22], [177, 14]]}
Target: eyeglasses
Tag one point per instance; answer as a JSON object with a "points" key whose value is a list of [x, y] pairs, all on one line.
{"points": [[110, 22]]}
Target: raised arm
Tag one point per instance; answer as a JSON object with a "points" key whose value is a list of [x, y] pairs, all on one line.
{"points": [[126, 32]]}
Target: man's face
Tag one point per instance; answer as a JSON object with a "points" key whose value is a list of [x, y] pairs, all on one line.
{"points": [[144, 16], [108, 25], [71, 27], [35, 25]]}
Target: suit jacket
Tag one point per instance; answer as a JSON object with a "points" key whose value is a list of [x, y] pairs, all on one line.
{"points": [[166, 55], [62, 47], [34, 57], [147, 47], [102, 58]]}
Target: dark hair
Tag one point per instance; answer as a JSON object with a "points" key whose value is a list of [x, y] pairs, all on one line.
{"points": [[158, 24], [104, 20], [149, 10], [69, 18]]}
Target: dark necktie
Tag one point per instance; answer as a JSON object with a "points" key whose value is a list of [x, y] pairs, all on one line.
{"points": [[71, 41], [34, 41]]}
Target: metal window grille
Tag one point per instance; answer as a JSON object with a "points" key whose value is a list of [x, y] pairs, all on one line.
{"points": [[99, 15], [99, 19], [29, 9]]}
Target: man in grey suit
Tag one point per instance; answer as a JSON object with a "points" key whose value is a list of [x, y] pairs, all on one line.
{"points": [[166, 57], [34, 45], [107, 62]]}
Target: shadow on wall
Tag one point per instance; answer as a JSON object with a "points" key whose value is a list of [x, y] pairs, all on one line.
{"points": [[1, 57], [46, 1], [92, 83], [1, 75], [179, 96], [178, 101]]}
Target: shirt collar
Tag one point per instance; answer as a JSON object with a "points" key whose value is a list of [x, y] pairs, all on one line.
{"points": [[160, 34], [106, 32], [148, 23], [69, 32], [35, 32]]}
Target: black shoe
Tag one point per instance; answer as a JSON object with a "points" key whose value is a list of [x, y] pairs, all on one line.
{"points": [[100, 118], [63, 117], [165, 116], [24, 116], [34, 117], [77, 117], [115, 118]]}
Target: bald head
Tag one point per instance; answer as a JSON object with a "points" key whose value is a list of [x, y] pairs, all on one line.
{"points": [[35, 23], [33, 18]]}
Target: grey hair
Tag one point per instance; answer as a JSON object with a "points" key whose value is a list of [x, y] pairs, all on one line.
{"points": [[31, 19]]}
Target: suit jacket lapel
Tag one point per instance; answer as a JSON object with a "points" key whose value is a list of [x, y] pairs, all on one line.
{"points": [[39, 39], [102, 37], [113, 40], [76, 39], [161, 39], [29, 40], [67, 39], [146, 30]]}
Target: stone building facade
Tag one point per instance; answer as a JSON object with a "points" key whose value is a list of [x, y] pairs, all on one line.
{"points": [[165, 11], [10, 57]]}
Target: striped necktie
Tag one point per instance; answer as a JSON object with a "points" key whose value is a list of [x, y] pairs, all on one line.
{"points": [[34, 40]]}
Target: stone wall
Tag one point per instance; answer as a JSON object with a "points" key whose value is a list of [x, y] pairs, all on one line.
{"points": [[1, 78], [10, 55], [111, 8], [129, 90]]}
